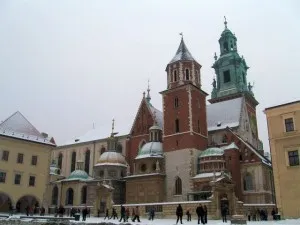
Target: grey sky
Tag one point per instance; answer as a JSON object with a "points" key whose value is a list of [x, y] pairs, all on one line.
{"points": [[67, 64]]}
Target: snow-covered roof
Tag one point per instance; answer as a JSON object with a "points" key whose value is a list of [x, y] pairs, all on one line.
{"points": [[151, 149], [91, 135], [17, 126], [230, 146], [158, 115], [182, 53], [224, 114], [143, 175], [206, 175]]}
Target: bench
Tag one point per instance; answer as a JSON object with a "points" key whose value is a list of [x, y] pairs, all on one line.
{"points": [[4, 216], [47, 217]]}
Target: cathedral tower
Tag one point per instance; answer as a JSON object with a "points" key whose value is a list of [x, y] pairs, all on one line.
{"points": [[231, 77], [185, 126]]}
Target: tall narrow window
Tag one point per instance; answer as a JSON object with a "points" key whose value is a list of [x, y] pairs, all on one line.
{"points": [[69, 196], [225, 139], [32, 181], [87, 161], [187, 74], [176, 102], [5, 155], [73, 161], [178, 186], [293, 158], [34, 159], [83, 195], [59, 163], [102, 150], [2, 177], [226, 75], [226, 46], [175, 75], [17, 179], [198, 126], [289, 124], [244, 78], [20, 158], [248, 182], [177, 125], [54, 196]]}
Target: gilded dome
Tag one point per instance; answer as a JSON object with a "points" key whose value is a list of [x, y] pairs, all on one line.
{"points": [[151, 149], [211, 152], [112, 158], [78, 175]]}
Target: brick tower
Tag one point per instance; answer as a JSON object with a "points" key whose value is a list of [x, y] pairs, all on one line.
{"points": [[185, 125]]}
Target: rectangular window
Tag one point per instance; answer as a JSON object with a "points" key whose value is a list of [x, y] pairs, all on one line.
{"points": [[198, 125], [177, 125], [2, 177], [176, 102], [20, 158], [289, 124], [293, 158], [226, 75], [31, 181], [18, 179], [5, 155], [34, 160]]}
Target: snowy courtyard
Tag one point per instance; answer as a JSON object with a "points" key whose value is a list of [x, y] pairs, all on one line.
{"points": [[145, 221]]}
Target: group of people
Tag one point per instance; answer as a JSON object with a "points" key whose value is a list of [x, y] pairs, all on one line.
{"points": [[201, 212], [261, 214], [125, 214]]}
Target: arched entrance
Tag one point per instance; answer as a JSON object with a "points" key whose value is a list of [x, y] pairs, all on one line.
{"points": [[5, 202], [27, 201]]}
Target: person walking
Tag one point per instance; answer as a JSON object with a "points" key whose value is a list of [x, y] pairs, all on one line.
{"points": [[200, 214], [84, 213], [123, 214], [179, 213], [188, 214], [137, 214], [205, 214], [127, 211], [224, 210], [106, 214], [151, 213]]}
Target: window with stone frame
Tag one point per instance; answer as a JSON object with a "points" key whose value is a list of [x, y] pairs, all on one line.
{"points": [[54, 198], [83, 194], [175, 76], [69, 196], [73, 161], [2, 177], [59, 163], [224, 139], [187, 74], [17, 180], [178, 186], [20, 158], [176, 102], [5, 155], [31, 181], [87, 161], [177, 130], [34, 159], [289, 124], [293, 158], [248, 182]]}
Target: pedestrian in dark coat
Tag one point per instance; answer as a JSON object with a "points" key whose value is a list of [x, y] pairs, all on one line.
{"points": [[123, 214], [224, 211], [106, 214], [127, 214], [200, 214], [205, 214], [188, 214], [151, 213], [179, 213], [84, 213]]}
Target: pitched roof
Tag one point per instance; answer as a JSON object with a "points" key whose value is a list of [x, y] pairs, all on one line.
{"points": [[224, 114], [17, 126], [182, 53], [158, 115]]}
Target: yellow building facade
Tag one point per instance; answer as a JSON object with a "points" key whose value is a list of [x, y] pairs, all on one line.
{"points": [[284, 135], [25, 156]]}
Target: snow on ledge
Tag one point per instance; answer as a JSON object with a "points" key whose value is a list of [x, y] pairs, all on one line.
{"points": [[166, 203], [258, 204]]}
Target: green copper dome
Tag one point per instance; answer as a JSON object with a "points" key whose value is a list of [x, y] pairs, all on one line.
{"points": [[151, 149], [78, 175], [211, 152]]}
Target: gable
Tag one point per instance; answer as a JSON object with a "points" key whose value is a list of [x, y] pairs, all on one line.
{"points": [[143, 120], [224, 114]]}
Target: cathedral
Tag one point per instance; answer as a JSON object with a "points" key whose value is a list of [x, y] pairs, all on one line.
{"points": [[189, 151]]}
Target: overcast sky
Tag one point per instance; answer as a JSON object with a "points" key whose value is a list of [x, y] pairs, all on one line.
{"points": [[68, 64]]}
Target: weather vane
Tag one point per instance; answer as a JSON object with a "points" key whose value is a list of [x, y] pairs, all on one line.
{"points": [[225, 22], [113, 126], [181, 34]]}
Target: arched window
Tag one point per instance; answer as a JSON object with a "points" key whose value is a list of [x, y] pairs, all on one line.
{"points": [[69, 196], [83, 195], [225, 46], [175, 75], [87, 161], [54, 195], [73, 161], [59, 163], [187, 74], [248, 182], [102, 150], [119, 148], [178, 186]]}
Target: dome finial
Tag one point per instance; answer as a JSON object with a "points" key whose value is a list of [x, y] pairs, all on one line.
{"points": [[181, 34], [225, 22], [112, 127], [148, 92]]}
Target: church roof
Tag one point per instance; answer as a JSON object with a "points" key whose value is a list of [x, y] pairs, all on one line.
{"points": [[182, 53], [111, 158], [214, 151], [224, 114], [17, 126], [151, 149], [158, 114]]}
